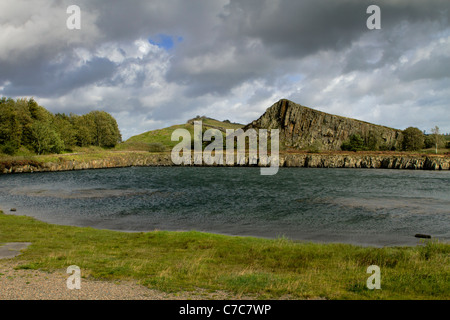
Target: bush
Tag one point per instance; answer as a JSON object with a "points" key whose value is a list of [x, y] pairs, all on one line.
{"points": [[386, 147], [315, 147], [156, 147], [10, 148]]}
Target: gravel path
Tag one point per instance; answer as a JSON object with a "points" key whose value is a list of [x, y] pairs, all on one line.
{"points": [[39, 285]]}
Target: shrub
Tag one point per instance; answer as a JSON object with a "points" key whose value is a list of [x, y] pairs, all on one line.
{"points": [[373, 142], [10, 148], [315, 147], [156, 147]]}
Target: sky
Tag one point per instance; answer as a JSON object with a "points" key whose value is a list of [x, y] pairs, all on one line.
{"points": [[155, 63]]}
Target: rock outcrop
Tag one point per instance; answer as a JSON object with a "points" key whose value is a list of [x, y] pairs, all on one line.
{"points": [[369, 161], [320, 160], [300, 127]]}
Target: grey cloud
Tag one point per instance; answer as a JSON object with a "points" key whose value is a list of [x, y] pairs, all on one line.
{"points": [[288, 31], [54, 80], [121, 20], [299, 28], [433, 68], [260, 95]]}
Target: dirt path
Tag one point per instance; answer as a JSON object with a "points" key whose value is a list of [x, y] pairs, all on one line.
{"points": [[20, 284]]}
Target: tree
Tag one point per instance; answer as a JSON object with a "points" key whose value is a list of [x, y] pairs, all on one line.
{"points": [[355, 143], [105, 129], [413, 139], [372, 141], [24, 123], [436, 137], [82, 125], [46, 140], [10, 130], [64, 127]]}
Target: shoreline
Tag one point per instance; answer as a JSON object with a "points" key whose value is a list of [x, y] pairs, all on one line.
{"points": [[311, 238], [114, 159]]}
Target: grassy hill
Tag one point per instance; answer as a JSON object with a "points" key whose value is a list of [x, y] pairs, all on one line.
{"points": [[160, 139]]}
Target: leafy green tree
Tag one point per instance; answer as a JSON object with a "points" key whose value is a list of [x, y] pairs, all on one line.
{"points": [[431, 140], [24, 123], [10, 130], [45, 139], [413, 139], [83, 133], [37, 112], [25, 120], [438, 139], [355, 143], [64, 127], [372, 142], [105, 129]]}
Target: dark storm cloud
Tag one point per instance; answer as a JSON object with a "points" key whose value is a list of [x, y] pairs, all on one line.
{"points": [[298, 28], [121, 20], [55, 80], [264, 35]]}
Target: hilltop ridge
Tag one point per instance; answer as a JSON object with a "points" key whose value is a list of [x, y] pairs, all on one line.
{"points": [[301, 127], [162, 137]]}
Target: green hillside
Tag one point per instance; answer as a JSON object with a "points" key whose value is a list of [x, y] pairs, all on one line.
{"points": [[160, 139]]}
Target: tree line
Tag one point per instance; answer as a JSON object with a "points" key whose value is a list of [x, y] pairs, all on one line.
{"points": [[413, 140], [24, 123]]}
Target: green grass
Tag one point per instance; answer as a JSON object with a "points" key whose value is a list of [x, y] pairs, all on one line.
{"points": [[80, 155], [163, 136], [267, 269], [208, 122], [432, 151]]}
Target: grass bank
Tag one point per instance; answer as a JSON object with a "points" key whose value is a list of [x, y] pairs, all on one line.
{"points": [[268, 269]]}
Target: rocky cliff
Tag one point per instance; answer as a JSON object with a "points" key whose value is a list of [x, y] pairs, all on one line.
{"points": [[300, 127]]}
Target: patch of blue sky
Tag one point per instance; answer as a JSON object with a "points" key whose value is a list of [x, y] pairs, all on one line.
{"points": [[165, 41], [295, 77]]}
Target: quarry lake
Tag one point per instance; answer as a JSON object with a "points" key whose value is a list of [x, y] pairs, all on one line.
{"points": [[376, 207]]}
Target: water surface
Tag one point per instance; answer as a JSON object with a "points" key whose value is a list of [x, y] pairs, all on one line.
{"points": [[360, 206]]}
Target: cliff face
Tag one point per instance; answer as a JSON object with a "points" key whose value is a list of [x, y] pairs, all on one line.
{"points": [[301, 127], [412, 162], [356, 160]]}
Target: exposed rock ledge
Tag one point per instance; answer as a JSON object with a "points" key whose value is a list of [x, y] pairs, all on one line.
{"points": [[417, 162]]}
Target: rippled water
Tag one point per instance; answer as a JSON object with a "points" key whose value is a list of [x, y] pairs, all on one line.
{"points": [[360, 206]]}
